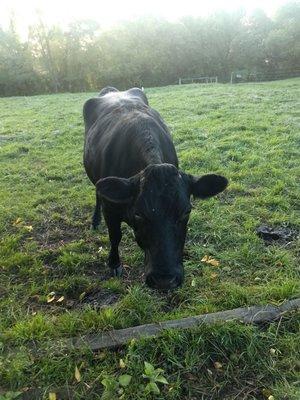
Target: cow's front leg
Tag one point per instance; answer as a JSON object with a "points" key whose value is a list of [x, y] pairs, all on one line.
{"points": [[97, 213], [113, 223]]}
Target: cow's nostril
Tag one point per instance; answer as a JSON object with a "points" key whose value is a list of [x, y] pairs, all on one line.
{"points": [[163, 282]]}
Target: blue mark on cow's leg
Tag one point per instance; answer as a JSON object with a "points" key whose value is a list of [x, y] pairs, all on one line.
{"points": [[97, 213]]}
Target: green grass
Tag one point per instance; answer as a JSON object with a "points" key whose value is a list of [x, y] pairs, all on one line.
{"points": [[249, 133]]}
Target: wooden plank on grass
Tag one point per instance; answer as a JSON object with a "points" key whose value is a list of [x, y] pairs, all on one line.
{"points": [[247, 315]]}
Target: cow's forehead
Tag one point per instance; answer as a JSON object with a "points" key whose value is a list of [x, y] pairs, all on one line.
{"points": [[160, 173], [162, 190]]}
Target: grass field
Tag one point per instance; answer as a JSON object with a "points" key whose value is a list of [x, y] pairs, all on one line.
{"points": [[249, 133]]}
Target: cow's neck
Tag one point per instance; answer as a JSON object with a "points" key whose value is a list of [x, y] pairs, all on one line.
{"points": [[150, 149], [152, 157]]}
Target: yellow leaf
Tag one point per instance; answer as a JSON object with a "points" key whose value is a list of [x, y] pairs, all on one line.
{"points": [[50, 297], [122, 364], [218, 365], [266, 393], [77, 374], [61, 299], [211, 261], [271, 398], [213, 275], [52, 396], [193, 283], [28, 228], [17, 221]]}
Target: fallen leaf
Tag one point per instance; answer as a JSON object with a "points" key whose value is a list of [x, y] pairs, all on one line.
{"points": [[193, 283], [271, 398], [122, 364], [210, 260], [61, 299], [50, 297], [273, 351], [213, 262], [17, 222], [266, 393], [28, 228], [218, 365], [77, 374], [214, 275], [52, 396], [100, 249]]}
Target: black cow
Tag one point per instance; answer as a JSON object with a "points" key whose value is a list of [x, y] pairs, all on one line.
{"points": [[130, 157]]}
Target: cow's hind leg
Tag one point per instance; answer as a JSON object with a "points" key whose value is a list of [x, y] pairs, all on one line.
{"points": [[113, 223], [97, 213]]}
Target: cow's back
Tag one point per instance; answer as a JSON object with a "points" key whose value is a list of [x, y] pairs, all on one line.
{"points": [[120, 128]]}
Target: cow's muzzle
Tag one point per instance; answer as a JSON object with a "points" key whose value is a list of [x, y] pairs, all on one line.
{"points": [[164, 282]]}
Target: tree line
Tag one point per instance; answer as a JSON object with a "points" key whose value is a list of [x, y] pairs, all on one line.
{"points": [[148, 52]]}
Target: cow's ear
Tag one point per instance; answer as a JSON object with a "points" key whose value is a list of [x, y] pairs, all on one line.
{"points": [[116, 190], [207, 185]]}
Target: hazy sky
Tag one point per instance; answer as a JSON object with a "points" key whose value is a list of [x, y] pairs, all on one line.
{"points": [[109, 12]]}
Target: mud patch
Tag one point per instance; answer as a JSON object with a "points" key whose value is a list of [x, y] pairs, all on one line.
{"points": [[280, 235], [100, 298]]}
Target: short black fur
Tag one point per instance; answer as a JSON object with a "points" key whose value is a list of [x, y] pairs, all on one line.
{"points": [[130, 157]]}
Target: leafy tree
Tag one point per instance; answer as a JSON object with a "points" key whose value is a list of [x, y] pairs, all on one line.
{"points": [[149, 51]]}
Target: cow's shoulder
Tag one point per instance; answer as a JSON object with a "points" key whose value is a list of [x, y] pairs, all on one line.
{"points": [[107, 89], [137, 92], [90, 105], [91, 110]]}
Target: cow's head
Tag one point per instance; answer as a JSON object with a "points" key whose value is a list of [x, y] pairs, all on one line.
{"points": [[158, 209]]}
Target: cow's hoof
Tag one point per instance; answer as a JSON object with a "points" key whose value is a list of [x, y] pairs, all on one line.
{"points": [[117, 272]]}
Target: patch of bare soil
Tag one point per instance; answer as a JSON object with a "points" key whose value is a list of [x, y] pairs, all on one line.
{"points": [[280, 235], [100, 298]]}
